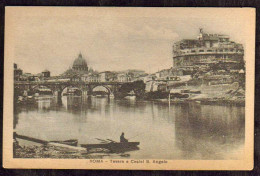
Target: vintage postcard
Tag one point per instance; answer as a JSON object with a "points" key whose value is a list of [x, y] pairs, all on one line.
{"points": [[129, 88]]}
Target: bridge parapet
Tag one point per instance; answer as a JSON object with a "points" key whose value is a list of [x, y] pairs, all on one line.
{"points": [[58, 87], [69, 82]]}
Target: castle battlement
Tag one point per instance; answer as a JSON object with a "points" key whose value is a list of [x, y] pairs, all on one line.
{"points": [[206, 48]]}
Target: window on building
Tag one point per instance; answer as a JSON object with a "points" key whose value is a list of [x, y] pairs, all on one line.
{"points": [[201, 51], [209, 50], [193, 51]]}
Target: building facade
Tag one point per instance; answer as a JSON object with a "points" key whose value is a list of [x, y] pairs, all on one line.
{"points": [[123, 77], [17, 73], [94, 77], [107, 76], [46, 73]]}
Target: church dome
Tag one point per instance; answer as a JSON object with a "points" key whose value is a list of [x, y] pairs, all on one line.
{"points": [[80, 63]]}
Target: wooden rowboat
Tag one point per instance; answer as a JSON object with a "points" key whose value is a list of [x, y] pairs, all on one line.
{"points": [[113, 146], [72, 142]]}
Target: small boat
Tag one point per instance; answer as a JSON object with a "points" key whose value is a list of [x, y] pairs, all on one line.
{"points": [[72, 142], [26, 100], [131, 95], [125, 155], [113, 146], [72, 92], [195, 91], [44, 91], [100, 96]]}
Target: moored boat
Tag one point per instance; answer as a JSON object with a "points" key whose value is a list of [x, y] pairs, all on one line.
{"points": [[72, 142], [100, 96], [113, 146], [131, 95]]}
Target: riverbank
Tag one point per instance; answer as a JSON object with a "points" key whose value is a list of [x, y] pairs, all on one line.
{"points": [[207, 95], [220, 101], [49, 151]]}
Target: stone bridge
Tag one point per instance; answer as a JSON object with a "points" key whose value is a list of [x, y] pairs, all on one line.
{"points": [[58, 87]]}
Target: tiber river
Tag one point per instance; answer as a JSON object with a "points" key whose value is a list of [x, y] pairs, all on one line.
{"points": [[188, 131]]}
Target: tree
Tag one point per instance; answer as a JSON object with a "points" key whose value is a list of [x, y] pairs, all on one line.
{"points": [[137, 86]]}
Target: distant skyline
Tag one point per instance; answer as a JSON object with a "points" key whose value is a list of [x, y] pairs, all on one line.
{"points": [[113, 39]]}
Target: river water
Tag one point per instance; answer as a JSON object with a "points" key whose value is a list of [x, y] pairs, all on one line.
{"points": [[187, 131]]}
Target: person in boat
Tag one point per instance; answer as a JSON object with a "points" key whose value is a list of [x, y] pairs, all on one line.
{"points": [[122, 138]]}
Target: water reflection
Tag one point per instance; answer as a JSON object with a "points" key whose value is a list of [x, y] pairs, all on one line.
{"points": [[187, 131], [203, 132]]}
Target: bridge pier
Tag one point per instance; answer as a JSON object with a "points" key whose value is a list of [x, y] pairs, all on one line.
{"points": [[111, 95], [89, 92], [84, 92], [59, 92]]}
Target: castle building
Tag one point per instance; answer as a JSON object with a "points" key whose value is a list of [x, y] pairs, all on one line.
{"points": [[207, 49], [80, 64]]}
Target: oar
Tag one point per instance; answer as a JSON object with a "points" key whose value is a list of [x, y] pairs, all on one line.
{"points": [[111, 140], [101, 140]]}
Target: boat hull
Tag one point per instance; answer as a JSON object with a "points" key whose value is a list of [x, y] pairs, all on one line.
{"points": [[72, 142], [130, 97], [113, 146]]}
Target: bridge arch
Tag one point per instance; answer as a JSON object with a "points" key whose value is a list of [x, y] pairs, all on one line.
{"points": [[70, 86], [109, 91]]}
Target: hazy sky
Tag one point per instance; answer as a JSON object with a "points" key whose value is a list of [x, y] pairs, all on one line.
{"points": [[112, 39]]}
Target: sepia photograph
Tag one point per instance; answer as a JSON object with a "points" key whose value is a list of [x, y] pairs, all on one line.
{"points": [[129, 88]]}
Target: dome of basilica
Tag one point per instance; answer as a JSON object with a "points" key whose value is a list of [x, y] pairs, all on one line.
{"points": [[80, 63]]}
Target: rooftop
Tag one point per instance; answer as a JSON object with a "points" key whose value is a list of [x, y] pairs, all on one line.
{"points": [[45, 71]]}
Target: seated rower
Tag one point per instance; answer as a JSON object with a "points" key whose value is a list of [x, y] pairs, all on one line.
{"points": [[122, 138]]}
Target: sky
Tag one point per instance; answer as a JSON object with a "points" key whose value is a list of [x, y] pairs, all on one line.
{"points": [[111, 39]]}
